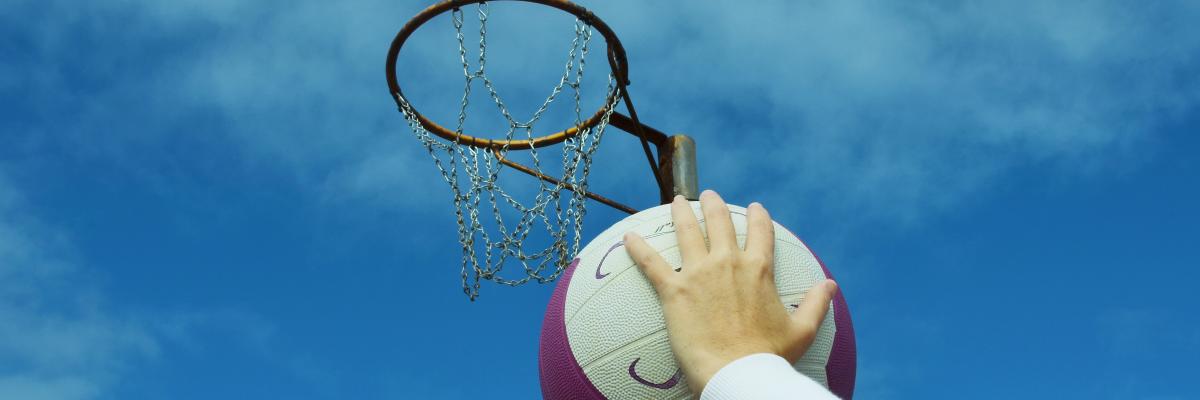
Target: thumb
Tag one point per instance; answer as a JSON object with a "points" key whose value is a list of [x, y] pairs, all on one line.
{"points": [[807, 318]]}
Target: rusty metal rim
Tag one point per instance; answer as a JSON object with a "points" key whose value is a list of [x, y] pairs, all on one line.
{"points": [[616, 59]]}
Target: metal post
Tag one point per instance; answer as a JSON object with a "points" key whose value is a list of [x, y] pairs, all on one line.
{"points": [[677, 164]]}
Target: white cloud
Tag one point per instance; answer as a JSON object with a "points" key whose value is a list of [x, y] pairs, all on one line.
{"points": [[843, 114], [868, 110], [58, 340], [35, 388], [876, 109], [61, 339], [887, 110]]}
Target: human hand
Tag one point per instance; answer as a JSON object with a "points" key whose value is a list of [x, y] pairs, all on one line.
{"points": [[722, 304]]}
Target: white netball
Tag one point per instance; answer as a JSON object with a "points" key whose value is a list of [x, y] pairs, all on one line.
{"points": [[604, 337]]}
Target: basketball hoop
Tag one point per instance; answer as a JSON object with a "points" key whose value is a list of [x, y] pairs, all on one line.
{"points": [[480, 159]]}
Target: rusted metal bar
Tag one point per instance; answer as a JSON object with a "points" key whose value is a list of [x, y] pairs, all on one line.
{"points": [[677, 163], [663, 182], [547, 178], [626, 124]]}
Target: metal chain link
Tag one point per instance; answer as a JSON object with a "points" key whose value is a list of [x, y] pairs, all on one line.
{"points": [[481, 171]]}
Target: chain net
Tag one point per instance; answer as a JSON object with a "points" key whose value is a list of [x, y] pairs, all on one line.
{"points": [[472, 174]]}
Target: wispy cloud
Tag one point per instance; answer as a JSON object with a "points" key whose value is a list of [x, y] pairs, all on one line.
{"points": [[869, 110], [890, 110], [61, 338], [865, 111], [58, 338]]}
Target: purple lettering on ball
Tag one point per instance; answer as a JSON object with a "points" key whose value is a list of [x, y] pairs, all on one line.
{"points": [[600, 275], [669, 383], [601, 264]]}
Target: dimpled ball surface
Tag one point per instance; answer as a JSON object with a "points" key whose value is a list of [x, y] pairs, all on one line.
{"points": [[604, 337]]}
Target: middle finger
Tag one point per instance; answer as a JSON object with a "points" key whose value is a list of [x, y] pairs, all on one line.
{"points": [[721, 236]]}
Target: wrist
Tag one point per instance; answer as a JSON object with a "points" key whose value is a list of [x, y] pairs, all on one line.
{"points": [[706, 366]]}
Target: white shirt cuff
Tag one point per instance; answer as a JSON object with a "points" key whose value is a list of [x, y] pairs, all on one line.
{"points": [[762, 376]]}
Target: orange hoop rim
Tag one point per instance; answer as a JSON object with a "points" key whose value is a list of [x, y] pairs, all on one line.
{"points": [[616, 60]]}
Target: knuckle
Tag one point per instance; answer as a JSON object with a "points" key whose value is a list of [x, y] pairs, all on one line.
{"points": [[765, 227], [766, 275], [672, 288], [765, 233], [720, 254], [656, 281], [686, 225], [754, 260]]}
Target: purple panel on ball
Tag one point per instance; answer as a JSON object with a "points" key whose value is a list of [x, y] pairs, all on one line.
{"points": [[562, 377], [843, 359], [842, 365]]}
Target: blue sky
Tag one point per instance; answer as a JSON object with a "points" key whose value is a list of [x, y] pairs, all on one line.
{"points": [[217, 199]]}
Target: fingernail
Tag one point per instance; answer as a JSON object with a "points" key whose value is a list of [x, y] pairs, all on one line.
{"points": [[708, 192], [755, 204], [831, 285], [679, 197]]}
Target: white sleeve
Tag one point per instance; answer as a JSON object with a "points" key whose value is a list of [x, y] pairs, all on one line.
{"points": [[762, 376]]}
